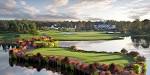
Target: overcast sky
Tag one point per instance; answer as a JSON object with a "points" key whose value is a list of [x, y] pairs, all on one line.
{"points": [[75, 9]]}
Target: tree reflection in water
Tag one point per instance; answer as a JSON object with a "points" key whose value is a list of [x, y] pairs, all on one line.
{"points": [[37, 66], [48, 66], [141, 41]]}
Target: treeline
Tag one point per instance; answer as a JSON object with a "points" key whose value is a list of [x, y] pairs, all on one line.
{"points": [[136, 27], [19, 26], [78, 25], [140, 27]]}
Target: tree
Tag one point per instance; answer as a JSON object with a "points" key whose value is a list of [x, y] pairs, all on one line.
{"points": [[4, 25], [13, 26], [33, 29], [146, 26], [135, 27]]}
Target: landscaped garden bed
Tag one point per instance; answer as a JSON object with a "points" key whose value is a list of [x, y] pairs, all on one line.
{"points": [[43, 52]]}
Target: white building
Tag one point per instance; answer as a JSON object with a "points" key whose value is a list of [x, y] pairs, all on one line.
{"points": [[105, 27]]}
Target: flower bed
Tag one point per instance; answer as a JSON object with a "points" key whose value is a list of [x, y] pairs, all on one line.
{"points": [[44, 41]]}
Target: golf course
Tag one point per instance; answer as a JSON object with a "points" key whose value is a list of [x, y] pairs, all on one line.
{"points": [[87, 57], [62, 36]]}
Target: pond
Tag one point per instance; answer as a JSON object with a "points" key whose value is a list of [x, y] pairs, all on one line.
{"points": [[141, 45], [6, 69]]}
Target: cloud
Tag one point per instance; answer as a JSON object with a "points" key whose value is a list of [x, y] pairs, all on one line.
{"points": [[16, 9], [75, 9], [28, 9], [59, 3], [93, 0], [23, 2], [139, 12], [138, 9], [54, 8], [23, 10], [54, 17], [31, 10], [7, 8], [59, 11], [86, 8], [93, 19], [7, 5]]}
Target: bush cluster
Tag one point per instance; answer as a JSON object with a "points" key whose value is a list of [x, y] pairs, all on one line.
{"points": [[134, 53]]}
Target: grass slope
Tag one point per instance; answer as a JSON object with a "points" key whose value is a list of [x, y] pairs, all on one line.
{"points": [[87, 57], [83, 36], [74, 36]]}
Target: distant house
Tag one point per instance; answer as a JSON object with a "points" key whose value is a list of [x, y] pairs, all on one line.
{"points": [[62, 28], [54, 26], [105, 27]]}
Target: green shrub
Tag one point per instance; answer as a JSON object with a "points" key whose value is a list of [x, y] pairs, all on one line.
{"points": [[56, 43], [95, 73], [140, 59], [17, 35], [134, 53], [137, 68], [116, 52], [45, 44], [124, 51], [73, 47], [144, 68], [51, 44]]}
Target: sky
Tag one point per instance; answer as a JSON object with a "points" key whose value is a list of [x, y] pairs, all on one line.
{"points": [[57, 10]]}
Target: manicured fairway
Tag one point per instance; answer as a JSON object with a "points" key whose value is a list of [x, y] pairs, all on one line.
{"points": [[14, 36], [83, 36], [106, 58], [67, 36]]}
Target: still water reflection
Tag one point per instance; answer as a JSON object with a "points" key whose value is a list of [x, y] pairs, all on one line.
{"points": [[143, 42], [5, 69], [140, 44]]}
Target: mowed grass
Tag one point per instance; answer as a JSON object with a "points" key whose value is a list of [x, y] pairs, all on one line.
{"points": [[81, 36], [63, 36], [7, 36], [87, 57], [14, 36]]}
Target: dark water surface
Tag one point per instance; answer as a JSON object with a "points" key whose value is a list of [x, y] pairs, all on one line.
{"points": [[5, 69]]}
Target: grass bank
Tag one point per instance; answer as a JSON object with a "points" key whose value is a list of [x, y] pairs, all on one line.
{"points": [[81, 36], [87, 57], [62, 36]]}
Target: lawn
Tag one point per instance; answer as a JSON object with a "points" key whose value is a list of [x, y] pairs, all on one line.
{"points": [[80, 36], [87, 57], [14, 36], [65, 36]]}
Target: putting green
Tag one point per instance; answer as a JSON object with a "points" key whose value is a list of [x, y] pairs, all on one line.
{"points": [[87, 57]]}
